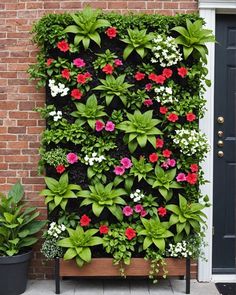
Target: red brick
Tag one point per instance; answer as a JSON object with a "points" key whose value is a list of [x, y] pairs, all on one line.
{"points": [[117, 5], [136, 5], [71, 5]]}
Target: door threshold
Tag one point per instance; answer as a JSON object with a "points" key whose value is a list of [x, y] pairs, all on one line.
{"points": [[221, 278]]}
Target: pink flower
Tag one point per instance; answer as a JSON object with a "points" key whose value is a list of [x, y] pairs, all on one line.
{"points": [[171, 162], [110, 126], [143, 213], [181, 177], [138, 208], [79, 62], [164, 165], [99, 125], [148, 102], [119, 170], [148, 86], [126, 162], [118, 62], [127, 211], [72, 158]]}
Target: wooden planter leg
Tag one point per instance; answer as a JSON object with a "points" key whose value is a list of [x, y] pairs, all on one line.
{"points": [[57, 275], [188, 262]]}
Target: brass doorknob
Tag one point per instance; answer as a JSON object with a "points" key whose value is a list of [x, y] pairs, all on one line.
{"points": [[220, 120], [220, 154], [220, 133], [220, 143]]}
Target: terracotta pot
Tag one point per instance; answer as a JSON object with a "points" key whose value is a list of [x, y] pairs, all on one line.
{"points": [[100, 267]]}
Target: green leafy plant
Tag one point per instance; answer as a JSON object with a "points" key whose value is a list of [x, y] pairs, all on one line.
{"points": [[138, 40], [112, 87], [18, 224], [164, 181], [78, 244], [155, 232], [58, 192], [186, 217], [140, 168], [150, 205], [101, 197], [193, 39], [139, 130], [103, 59], [86, 27], [89, 112]]}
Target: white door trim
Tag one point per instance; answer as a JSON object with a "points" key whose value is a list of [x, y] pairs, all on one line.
{"points": [[208, 10]]}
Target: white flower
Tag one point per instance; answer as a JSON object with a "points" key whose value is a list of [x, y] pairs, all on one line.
{"points": [[52, 113]]}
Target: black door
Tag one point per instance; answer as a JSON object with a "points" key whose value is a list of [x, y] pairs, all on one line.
{"points": [[224, 200]]}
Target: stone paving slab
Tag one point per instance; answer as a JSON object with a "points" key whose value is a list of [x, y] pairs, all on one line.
{"points": [[120, 287]]}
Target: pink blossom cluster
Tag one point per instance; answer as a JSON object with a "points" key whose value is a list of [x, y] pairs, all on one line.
{"points": [[128, 210], [109, 126], [168, 163], [125, 164]]}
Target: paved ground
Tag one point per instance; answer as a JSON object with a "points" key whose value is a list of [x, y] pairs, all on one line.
{"points": [[120, 287]]}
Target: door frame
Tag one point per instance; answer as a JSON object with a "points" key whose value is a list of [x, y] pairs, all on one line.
{"points": [[208, 10]]}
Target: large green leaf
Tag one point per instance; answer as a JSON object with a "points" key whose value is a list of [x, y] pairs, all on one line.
{"points": [[16, 192]]}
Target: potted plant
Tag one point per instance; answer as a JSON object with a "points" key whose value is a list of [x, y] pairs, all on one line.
{"points": [[18, 227]]}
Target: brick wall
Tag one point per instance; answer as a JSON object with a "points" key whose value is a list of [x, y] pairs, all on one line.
{"points": [[20, 126]]}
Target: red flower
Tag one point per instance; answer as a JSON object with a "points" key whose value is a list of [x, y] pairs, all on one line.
{"points": [[49, 61], [84, 220], [139, 76], [108, 69], [191, 178], [60, 169], [166, 153], [172, 117], [63, 46], [87, 75], [81, 78], [159, 143], [182, 72], [190, 117], [160, 79], [167, 73], [76, 93], [148, 86], [162, 211], [130, 233], [152, 77], [111, 32], [194, 167], [163, 110], [99, 125], [148, 102], [153, 157], [65, 74], [103, 229]]}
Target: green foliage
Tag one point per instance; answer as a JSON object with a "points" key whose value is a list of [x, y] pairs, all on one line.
{"points": [[18, 224], [193, 39], [78, 244], [100, 197], [164, 181], [140, 129], [70, 220], [114, 87], [89, 112], [58, 192], [86, 27], [140, 168], [137, 40], [150, 205], [103, 59], [155, 232], [54, 157], [186, 217]]}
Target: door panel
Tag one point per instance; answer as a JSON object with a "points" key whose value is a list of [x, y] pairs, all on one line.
{"points": [[225, 167]]}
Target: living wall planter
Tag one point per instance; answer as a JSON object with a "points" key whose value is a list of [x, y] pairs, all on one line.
{"points": [[14, 273], [103, 267]]}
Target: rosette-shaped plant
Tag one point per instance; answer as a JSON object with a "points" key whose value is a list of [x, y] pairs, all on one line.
{"points": [[186, 216], [140, 129], [58, 192], [155, 232], [89, 112], [137, 40], [86, 27], [78, 244], [164, 181], [101, 197]]}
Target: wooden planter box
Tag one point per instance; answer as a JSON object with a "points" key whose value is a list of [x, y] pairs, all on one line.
{"points": [[103, 267]]}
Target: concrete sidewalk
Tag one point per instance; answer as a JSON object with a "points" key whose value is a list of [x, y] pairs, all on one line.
{"points": [[120, 287]]}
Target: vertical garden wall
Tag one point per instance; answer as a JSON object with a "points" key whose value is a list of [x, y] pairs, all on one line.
{"points": [[122, 147]]}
